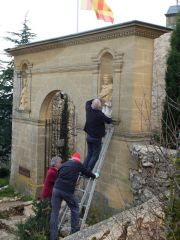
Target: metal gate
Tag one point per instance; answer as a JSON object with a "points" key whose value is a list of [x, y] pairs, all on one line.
{"points": [[59, 130], [54, 143]]}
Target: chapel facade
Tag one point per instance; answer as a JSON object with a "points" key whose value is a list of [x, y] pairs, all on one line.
{"points": [[74, 66]]}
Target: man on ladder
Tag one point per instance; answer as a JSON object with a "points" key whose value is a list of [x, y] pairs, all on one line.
{"points": [[95, 129]]}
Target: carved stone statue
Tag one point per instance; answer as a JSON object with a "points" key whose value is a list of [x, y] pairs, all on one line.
{"points": [[24, 97], [106, 94]]}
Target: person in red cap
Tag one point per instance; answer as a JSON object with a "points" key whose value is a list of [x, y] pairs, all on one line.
{"points": [[63, 189], [46, 191]]}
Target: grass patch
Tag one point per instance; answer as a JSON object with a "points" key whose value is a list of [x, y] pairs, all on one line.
{"points": [[4, 182], [25, 198], [8, 192]]}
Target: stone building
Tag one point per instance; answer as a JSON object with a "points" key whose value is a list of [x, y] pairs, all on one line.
{"points": [[75, 65], [171, 15]]}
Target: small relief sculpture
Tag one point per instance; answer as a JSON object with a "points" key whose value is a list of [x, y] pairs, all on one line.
{"points": [[24, 97], [106, 94]]}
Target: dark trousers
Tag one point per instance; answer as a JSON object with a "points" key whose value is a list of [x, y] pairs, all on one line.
{"points": [[94, 148], [57, 197]]}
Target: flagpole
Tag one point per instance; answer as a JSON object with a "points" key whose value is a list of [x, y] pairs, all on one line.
{"points": [[77, 22]]}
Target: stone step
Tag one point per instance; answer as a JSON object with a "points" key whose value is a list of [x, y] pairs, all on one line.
{"points": [[11, 214], [10, 208], [11, 223]]}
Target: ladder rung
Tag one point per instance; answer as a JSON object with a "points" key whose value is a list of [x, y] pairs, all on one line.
{"points": [[80, 190]]}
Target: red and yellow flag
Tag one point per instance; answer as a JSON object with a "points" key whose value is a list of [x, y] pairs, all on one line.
{"points": [[100, 7], [87, 5]]}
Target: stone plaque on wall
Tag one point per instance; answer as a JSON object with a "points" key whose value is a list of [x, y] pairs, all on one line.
{"points": [[24, 171]]}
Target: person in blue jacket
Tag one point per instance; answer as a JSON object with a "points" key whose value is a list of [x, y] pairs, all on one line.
{"points": [[63, 189], [95, 129]]}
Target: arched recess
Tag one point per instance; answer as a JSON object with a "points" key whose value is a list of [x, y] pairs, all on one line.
{"points": [[104, 51], [24, 79], [109, 61], [57, 116], [106, 66], [45, 111]]}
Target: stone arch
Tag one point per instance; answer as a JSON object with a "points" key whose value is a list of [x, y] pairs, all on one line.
{"points": [[45, 106], [25, 62], [24, 67], [52, 137], [105, 51]]}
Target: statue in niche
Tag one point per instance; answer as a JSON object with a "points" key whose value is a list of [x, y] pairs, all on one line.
{"points": [[24, 97], [106, 94]]}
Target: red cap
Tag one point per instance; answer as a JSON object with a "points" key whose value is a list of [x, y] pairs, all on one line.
{"points": [[76, 156]]}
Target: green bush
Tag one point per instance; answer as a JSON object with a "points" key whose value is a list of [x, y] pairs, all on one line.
{"points": [[172, 211], [36, 227]]}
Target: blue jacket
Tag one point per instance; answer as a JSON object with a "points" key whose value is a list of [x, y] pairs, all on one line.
{"points": [[95, 121], [68, 174]]}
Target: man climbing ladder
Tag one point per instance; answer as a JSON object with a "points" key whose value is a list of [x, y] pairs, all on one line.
{"points": [[95, 129]]}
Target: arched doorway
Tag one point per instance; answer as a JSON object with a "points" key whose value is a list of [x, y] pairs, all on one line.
{"points": [[58, 112]]}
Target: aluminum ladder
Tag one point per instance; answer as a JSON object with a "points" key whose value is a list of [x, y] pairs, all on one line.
{"points": [[86, 187]]}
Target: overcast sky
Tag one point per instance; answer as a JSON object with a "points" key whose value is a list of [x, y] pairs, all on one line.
{"points": [[55, 18]]}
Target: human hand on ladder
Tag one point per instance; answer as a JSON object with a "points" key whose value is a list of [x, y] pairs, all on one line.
{"points": [[96, 174]]}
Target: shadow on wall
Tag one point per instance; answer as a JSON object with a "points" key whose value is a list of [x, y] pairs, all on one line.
{"points": [[100, 209]]}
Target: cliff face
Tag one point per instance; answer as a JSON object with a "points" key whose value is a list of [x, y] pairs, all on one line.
{"points": [[161, 49]]}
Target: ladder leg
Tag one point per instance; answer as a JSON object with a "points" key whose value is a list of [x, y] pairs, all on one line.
{"points": [[88, 206]]}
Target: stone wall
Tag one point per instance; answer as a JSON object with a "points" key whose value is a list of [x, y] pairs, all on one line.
{"points": [[154, 173], [161, 49]]}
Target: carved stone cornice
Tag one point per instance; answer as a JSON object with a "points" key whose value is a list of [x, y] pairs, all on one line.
{"points": [[135, 28]]}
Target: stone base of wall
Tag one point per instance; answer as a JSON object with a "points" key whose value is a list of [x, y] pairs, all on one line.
{"points": [[26, 186], [154, 173]]}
